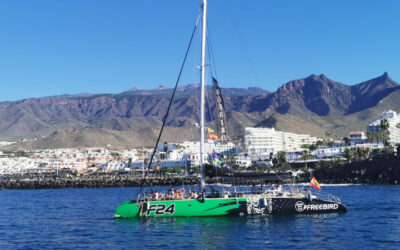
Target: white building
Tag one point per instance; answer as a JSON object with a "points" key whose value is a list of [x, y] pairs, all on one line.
{"points": [[164, 164], [268, 140], [194, 147], [243, 161], [338, 151], [357, 137], [192, 150], [394, 125]]}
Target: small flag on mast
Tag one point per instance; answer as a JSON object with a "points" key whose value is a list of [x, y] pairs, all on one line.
{"points": [[315, 184], [211, 136]]}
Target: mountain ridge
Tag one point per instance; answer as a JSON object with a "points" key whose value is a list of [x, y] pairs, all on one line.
{"points": [[325, 106]]}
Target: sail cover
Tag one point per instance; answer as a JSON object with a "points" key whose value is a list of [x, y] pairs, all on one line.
{"points": [[220, 109]]}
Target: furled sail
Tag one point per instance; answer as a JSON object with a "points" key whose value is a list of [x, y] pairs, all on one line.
{"points": [[220, 110]]}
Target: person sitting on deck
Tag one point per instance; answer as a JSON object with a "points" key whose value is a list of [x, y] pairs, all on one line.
{"points": [[151, 195], [214, 193], [193, 194], [226, 193], [171, 194]]}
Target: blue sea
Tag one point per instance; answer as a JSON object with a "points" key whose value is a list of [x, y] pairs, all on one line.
{"points": [[83, 218]]}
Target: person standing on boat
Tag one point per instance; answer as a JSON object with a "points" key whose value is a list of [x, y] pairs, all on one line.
{"points": [[309, 195]]}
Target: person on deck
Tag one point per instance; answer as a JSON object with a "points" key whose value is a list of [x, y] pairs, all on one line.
{"points": [[151, 195], [193, 194], [309, 195], [226, 193], [253, 189], [171, 193]]}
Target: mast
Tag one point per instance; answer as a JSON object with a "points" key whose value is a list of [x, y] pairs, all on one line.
{"points": [[202, 96]]}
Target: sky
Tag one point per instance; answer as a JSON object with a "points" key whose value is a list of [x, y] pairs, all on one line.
{"points": [[60, 47]]}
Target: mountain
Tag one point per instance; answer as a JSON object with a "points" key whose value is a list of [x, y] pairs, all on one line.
{"points": [[95, 137], [368, 94], [193, 89], [312, 95], [314, 105]]}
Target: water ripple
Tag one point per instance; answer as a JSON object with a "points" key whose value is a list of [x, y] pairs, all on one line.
{"points": [[83, 218]]}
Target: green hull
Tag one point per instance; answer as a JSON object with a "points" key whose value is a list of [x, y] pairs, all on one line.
{"points": [[182, 208], [228, 207]]}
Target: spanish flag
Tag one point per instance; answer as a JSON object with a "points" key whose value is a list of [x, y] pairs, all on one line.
{"points": [[212, 137], [314, 183]]}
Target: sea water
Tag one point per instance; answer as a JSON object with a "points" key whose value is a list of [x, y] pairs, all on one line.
{"points": [[84, 218]]}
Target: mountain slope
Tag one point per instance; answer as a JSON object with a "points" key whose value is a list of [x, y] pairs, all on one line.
{"points": [[367, 94], [314, 105]]}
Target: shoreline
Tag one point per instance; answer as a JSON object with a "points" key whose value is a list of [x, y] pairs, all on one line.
{"points": [[384, 170], [131, 181]]}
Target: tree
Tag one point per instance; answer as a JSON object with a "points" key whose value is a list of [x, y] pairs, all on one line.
{"points": [[347, 154], [313, 147], [306, 146], [280, 160], [346, 140], [244, 147], [384, 125], [157, 168], [281, 157], [275, 161], [114, 154], [74, 173], [145, 165], [306, 156], [362, 152], [331, 143], [370, 136]]}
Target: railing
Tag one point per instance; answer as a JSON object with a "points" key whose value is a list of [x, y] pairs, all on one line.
{"points": [[328, 197]]}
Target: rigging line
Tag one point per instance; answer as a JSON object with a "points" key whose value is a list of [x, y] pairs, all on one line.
{"points": [[208, 105], [213, 73], [274, 172], [197, 103], [246, 54], [172, 97], [211, 54], [196, 94]]}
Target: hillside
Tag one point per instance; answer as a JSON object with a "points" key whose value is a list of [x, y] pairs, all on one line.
{"points": [[314, 105]]}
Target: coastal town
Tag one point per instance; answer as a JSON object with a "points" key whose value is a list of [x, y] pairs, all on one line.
{"points": [[263, 149]]}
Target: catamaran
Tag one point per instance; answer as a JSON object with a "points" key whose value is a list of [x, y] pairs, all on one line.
{"points": [[236, 204]]}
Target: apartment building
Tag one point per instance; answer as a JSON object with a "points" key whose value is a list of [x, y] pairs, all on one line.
{"points": [[394, 125], [268, 140]]}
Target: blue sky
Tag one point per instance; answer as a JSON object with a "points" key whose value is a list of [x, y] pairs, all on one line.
{"points": [[52, 47]]}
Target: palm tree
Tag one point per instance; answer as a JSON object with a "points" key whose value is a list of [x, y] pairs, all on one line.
{"points": [[348, 154], [370, 136], [145, 163], [306, 156], [384, 125], [281, 159]]}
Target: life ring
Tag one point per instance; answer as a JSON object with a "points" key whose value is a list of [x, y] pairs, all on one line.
{"points": [[182, 190]]}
